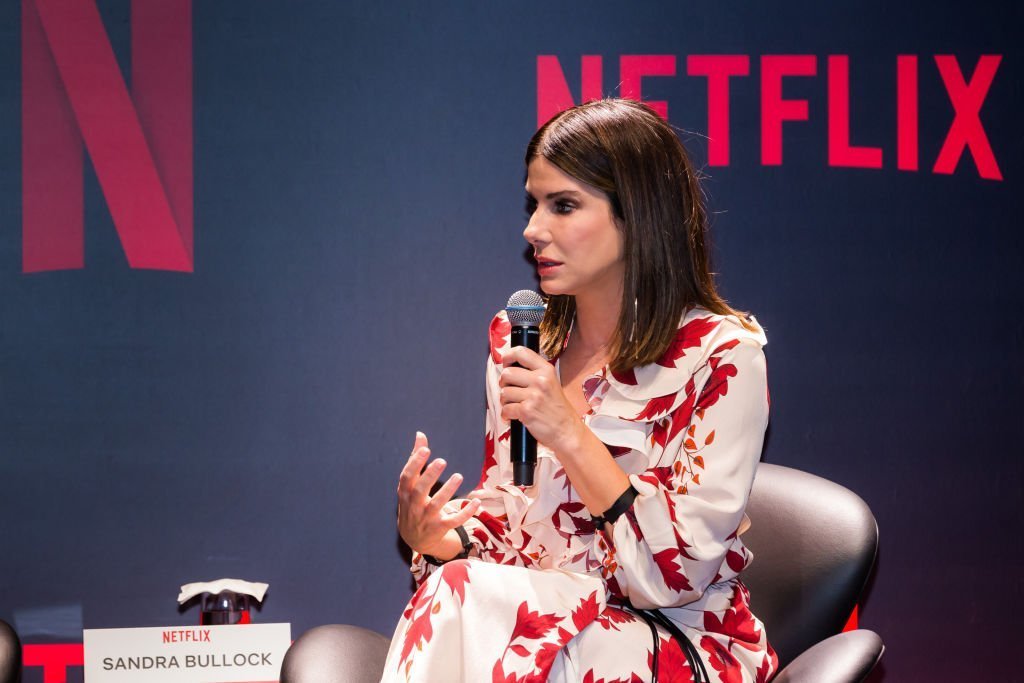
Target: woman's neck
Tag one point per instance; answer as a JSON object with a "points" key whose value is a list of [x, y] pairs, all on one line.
{"points": [[595, 325]]}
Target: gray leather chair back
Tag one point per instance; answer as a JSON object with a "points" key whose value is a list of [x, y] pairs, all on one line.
{"points": [[10, 654], [814, 544], [328, 654]]}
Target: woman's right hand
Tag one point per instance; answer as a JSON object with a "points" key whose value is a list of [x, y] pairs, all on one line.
{"points": [[422, 522]]}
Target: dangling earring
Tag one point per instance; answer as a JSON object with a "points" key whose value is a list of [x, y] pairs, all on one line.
{"points": [[632, 332]]}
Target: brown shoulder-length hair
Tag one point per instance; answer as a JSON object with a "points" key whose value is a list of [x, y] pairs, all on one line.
{"points": [[624, 149]]}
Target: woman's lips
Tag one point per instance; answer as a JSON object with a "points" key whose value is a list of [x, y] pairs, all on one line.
{"points": [[547, 267]]}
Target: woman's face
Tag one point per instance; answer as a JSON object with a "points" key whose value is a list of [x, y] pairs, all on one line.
{"points": [[577, 242]]}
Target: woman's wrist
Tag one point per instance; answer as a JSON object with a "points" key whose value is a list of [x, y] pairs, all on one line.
{"points": [[571, 444], [445, 549]]}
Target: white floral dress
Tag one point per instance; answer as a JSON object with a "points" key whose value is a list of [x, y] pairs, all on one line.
{"points": [[546, 596]]}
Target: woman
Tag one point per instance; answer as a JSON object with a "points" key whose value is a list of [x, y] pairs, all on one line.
{"points": [[650, 420]]}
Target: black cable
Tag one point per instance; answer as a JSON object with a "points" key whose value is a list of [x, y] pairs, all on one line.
{"points": [[700, 674], [654, 634], [651, 618]]}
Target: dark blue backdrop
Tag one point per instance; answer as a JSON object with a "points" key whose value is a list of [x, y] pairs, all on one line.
{"points": [[358, 216]]}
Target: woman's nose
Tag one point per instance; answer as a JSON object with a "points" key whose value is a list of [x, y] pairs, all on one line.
{"points": [[532, 232]]}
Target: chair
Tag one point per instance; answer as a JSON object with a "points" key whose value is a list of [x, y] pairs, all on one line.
{"points": [[10, 654], [814, 544], [336, 654]]}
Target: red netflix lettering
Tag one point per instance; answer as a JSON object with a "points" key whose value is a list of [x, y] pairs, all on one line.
{"points": [[632, 69], [840, 151], [718, 69], [774, 109], [186, 636], [966, 131], [553, 93], [906, 112], [54, 659], [73, 94]]}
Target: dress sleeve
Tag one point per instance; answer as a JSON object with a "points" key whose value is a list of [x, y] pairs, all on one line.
{"points": [[488, 528], [680, 535]]}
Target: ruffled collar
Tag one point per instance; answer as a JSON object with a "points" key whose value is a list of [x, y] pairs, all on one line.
{"points": [[624, 404]]}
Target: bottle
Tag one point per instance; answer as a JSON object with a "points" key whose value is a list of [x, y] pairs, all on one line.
{"points": [[226, 607]]}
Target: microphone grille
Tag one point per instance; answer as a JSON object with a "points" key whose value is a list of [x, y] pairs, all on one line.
{"points": [[525, 307]]}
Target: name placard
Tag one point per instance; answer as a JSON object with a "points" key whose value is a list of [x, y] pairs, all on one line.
{"points": [[250, 653]]}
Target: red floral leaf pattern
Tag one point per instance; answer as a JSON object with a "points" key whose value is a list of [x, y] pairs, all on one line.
{"points": [[657, 406], [545, 657], [499, 333], [672, 664], [532, 625], [626, 377], [680, 419], [722, 661], [671, 571], [490, 460], [618, 451], [716, 355], [688, 336], [420, 631], [738, 624], [587, 612], [589, 678], [498, 675], [495, 525], [735, 561], [612, 616], [456, 575], [717, 385]]}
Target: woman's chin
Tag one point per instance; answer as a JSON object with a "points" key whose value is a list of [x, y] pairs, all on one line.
{"points": [[551, 288]]}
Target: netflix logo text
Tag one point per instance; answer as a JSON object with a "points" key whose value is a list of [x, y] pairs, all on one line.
{"points": [[966, 84]]}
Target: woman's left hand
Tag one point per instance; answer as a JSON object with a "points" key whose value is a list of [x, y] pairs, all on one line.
{"points": [[533, 395]]}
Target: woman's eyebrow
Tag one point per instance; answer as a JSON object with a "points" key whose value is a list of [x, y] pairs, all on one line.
{"points": [[555, 195], [561, 193]]}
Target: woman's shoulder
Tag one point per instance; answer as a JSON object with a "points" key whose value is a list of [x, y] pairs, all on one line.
{"points": [[702, 328], [702, 335]]}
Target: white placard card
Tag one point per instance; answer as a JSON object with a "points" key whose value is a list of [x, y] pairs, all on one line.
{"points": [[199, 654]]}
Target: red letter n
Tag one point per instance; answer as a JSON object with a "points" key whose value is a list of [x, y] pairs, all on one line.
{"points": [[140, 144], [553, 93]]}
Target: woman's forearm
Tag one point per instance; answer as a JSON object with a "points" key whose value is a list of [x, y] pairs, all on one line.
{"points": [[591, 468]]}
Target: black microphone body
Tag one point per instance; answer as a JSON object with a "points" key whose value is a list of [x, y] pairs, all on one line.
{"points": [[525, 311], [524, 446]]}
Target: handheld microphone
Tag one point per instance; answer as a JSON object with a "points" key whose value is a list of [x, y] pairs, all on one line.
{"points": [[525, 310]]}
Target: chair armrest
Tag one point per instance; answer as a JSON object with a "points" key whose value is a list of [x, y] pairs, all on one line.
{"points": [[844, 658]]}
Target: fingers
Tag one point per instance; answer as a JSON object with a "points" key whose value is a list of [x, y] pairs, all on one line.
{"points": [[420, 441], [531, 360], [445, 493], [515, 377], [411, 472], [429, 477], [462, 516]]}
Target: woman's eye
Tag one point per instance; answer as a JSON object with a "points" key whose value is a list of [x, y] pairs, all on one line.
{"points": [[530, 206], [564, 207]]}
